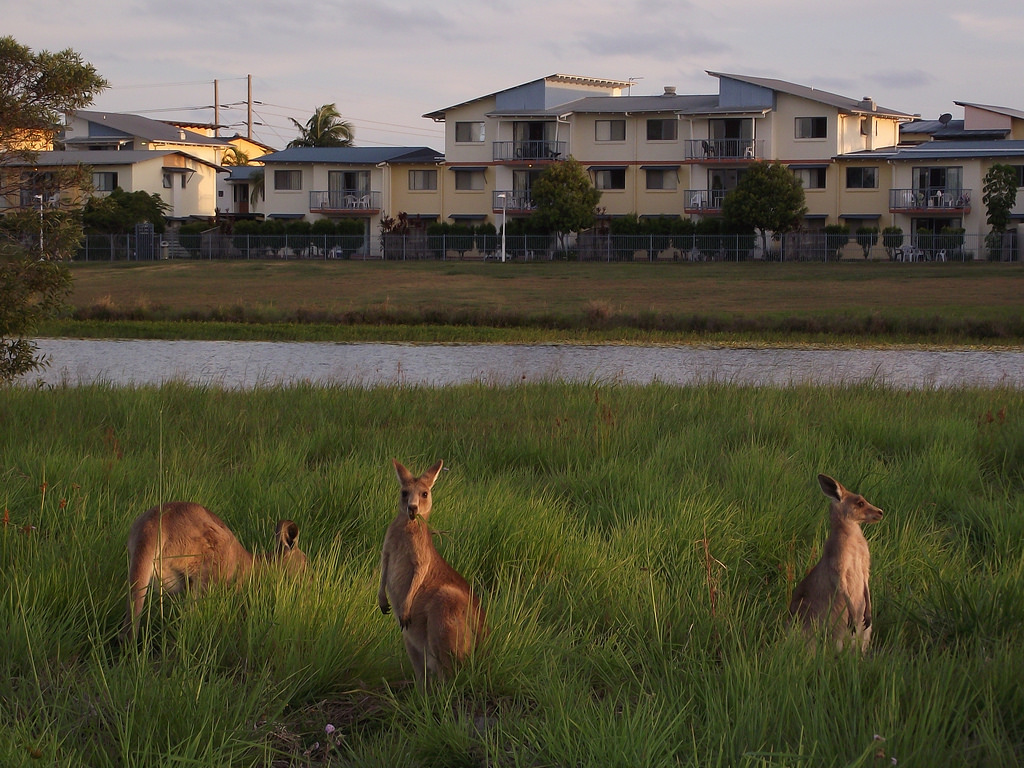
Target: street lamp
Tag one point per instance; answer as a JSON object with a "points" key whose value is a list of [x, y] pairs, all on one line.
{"points": [[40, 199], [504, 209]]}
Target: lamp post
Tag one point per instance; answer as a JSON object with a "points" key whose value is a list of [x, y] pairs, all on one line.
{"points": [[40, 199], [504, 209]]}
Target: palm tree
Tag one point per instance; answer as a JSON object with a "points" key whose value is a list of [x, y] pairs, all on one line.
{"points": [[324, 129], [257, 187]]}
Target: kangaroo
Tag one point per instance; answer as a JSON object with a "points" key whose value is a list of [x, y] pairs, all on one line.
{"points": [[835, 593], [186, 546], [440, 617]]}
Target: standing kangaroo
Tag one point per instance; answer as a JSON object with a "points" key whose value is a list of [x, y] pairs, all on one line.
{"points": [[835, 593], [184, 545], [440, 617]]}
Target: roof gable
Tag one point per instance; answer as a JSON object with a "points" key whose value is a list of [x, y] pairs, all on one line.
{"points": [[118, 124], [765, 84]]}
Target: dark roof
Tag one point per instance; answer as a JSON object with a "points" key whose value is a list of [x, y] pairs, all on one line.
{"points": [[934, 150], [103, 157], [242, 173], [143, 127], [354, 155], [951, 130], [689, 104]]}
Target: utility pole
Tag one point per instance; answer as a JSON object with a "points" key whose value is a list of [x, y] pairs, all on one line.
{"points": [[249, 79], [216, 109]]}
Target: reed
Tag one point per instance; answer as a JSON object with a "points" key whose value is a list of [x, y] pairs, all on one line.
{"points": [[635, 549]]}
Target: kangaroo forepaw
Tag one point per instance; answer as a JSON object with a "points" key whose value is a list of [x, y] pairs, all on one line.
{"points": [[385, 608]]}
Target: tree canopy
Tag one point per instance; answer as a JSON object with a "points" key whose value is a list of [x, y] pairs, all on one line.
{"points": [[768, 198], [120, 211], [1000, 195], [565, 199], [42, 229], [324, 129]]}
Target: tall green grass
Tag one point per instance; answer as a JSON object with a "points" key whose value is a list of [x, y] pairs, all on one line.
{"points": [[635, 548]]}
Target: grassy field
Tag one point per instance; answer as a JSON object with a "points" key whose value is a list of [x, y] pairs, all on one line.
{"points": [[452, 301], [635, 549]]}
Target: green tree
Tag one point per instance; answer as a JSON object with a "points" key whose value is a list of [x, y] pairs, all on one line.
{"points": [[768, 198], [324, 129], [1000, 195], [892, 238], [566, 200], [867, 237], [120, 211], [36, 89]]}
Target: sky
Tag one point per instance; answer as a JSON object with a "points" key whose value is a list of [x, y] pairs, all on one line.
{"points": [[385, 63]]}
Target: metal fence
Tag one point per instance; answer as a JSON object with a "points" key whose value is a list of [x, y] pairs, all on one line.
{"points": [[799, 246]]}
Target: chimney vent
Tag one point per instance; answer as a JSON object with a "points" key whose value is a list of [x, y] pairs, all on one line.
{"points": [[670, 90]]}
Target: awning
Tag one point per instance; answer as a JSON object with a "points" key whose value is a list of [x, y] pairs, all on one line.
{"points": [[860, 215], [606, 168], [467, 216], [806, 166], [285, 215], [656, 167], [467, 167]]}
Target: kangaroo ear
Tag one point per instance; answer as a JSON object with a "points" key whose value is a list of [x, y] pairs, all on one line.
{"points": [[404, 475], [430, 476], [830, 487], [287, 535]]}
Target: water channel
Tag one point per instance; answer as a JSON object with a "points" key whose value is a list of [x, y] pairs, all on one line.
{"points": [[244, 364]]}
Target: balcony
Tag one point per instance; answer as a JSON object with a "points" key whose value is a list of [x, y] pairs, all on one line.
{"points": [[515, 201], [724, 150], [350, 201], [529, 151], [924, 200], [705, 201]]}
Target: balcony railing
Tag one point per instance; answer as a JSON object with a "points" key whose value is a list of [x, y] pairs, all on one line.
{"points": [[515, 201], [355, 200], [718, 150], [529, 150], [704, 200], [929, 200]]}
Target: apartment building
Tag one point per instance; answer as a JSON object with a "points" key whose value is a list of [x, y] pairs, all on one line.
{"points": [[364, 183], [669, 154]]}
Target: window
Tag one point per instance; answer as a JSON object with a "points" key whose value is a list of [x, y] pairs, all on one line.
{"points": [[610, 130], [811, 127], [167, 180], [610, 178], [862, 178], [469, 132], [662, 178], [104, 181], [288, 180], [422, 180], [810, 178], [469, 180], [1020, 174], [662, 130]]}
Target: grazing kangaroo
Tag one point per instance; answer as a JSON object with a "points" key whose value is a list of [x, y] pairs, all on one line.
{"points": [[440, 617], [185, 545], [835, 593]]}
